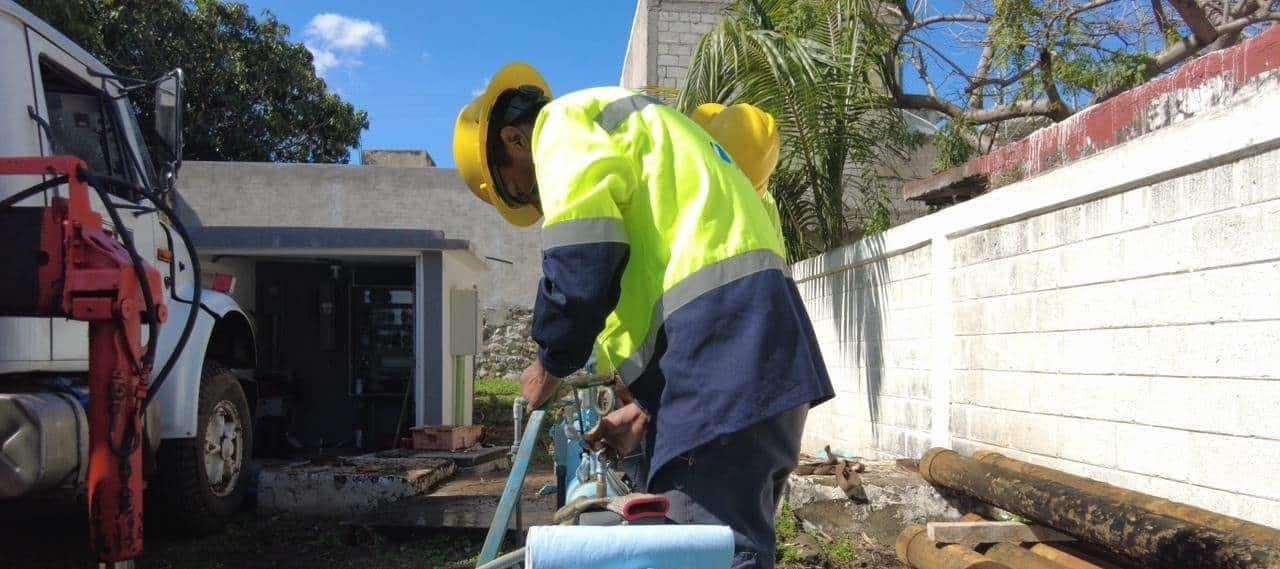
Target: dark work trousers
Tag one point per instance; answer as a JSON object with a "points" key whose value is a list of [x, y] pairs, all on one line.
{"points": [[737, 480]]}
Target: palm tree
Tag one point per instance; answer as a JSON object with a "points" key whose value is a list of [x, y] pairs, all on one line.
{"points": [[817, 66]]}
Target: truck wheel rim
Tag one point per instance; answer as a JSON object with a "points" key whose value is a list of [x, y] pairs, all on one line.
{"points": [[223, 453]]}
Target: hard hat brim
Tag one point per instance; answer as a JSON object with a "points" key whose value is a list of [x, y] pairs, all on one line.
{"points": [[470, 147]]}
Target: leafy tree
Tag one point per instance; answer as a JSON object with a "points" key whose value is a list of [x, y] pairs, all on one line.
{"points": [[250, 93], [814, 65], [1041, 61]]}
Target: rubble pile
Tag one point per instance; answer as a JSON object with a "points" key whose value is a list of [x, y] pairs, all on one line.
{"points": [[508, 349]]}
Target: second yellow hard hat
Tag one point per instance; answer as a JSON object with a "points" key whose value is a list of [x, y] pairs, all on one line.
{"points": [[749, 134]]}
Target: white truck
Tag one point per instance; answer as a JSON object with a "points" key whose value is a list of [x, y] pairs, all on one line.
{"points": [[56, 99]]}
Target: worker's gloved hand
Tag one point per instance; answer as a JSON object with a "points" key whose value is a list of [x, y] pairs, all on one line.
{"points": [[536, 385], [620, 431]]}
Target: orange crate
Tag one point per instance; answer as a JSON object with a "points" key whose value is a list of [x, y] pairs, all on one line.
{"points": [[446, 437]]}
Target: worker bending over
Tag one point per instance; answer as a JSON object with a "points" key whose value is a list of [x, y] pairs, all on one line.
{"points": [[660, 257]]}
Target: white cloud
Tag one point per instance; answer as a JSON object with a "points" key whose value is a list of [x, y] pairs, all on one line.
{"points": [[335, 40], [323, 59], [484, 84], [335, 31]]}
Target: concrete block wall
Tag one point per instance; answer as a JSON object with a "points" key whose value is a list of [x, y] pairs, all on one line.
{"points": [[258, 194], [1116, 317], [664, 35], [874, 324]]}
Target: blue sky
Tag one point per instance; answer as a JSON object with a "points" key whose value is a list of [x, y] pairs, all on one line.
{"points": [[412, 65]]}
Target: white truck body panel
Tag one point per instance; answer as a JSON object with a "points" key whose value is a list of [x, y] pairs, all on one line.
{"points": [[58, 345]]}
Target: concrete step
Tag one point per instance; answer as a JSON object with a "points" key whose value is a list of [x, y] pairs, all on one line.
{"points": [[468, 501], [346, 486]]}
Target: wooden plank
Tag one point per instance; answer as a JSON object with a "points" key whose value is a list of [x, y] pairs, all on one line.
{"points": [[974, 532]]}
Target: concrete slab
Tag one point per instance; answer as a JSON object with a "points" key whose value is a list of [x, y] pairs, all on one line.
{"points": [[465, 502], [464, 459], [349, 486]]}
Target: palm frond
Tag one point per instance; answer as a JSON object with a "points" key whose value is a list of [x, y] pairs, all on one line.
{"points": [[816, 65]]}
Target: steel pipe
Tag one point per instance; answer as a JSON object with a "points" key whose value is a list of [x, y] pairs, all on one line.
{"points": [[1066, 560], [915, 549], [1153, 540], [1254, 532], [1015, 555], [1041, 552]]}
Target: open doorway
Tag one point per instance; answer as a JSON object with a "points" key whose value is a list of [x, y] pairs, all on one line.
{"points": [[337, 346]]}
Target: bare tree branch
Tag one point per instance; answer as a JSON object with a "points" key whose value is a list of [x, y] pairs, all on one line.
{"points": [[940, 55], [1094, 5], [918, 61], [1196, 19], [1037, 108], [1004, 81], [978, 18], [1162, 21], [1058, 110], [976, 95], [1189, 46]]}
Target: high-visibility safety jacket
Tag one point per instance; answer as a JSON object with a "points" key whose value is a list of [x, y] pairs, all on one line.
{"points": [[659, 256]]}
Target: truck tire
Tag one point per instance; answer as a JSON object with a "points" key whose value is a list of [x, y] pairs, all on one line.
{"points": [[200, 482]]}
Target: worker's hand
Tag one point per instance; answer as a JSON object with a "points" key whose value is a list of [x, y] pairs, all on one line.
{"points": [[536, 385], [620, 431]]}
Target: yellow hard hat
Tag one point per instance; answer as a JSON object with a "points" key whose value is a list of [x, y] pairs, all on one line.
{"points": [[470, 144], [748, 134]]}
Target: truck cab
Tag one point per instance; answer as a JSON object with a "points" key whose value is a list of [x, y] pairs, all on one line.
{"points": [[57, 99]]}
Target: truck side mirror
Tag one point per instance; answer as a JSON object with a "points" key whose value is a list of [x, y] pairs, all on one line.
{"points": [[168, 115]]}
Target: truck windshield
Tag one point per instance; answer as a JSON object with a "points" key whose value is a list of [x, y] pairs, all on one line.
{"points": [[81, 122], [87, 124]]}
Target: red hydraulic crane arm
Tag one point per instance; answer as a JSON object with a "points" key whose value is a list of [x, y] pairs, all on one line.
{"points": [[86, 274]]}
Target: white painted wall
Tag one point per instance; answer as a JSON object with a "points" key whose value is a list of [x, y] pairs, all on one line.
{"points": [[462, 270], [259, 194], [1117, 318]]}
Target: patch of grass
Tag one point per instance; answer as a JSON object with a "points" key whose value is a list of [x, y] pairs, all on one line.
{"points": [[498, 386], [493, 400], [786, 525], [787, 555], [787, 528], [842, 552]]}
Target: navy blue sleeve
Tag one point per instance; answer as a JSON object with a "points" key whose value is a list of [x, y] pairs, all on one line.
{"points": [[580, 286]]}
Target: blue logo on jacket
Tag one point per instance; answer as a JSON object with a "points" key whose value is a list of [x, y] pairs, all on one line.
{"points": [[724, 155]]}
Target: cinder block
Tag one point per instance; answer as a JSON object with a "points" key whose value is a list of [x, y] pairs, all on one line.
{"points": [[1155, 451], [1086, 440], [1236, 464], [1255, 178], [1036, 434], [1200, 404]]}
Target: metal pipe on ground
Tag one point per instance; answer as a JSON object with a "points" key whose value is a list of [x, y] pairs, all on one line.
{"points": [[915, 549], [1257, 533], [1040, 556], [1153, 540], [1015, 555], [1061, 557]]}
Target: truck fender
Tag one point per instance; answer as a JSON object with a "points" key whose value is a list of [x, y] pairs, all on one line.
{"points": [[222, 331]]}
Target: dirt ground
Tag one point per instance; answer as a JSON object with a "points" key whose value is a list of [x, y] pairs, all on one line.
{"points": [[57, 539]]}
